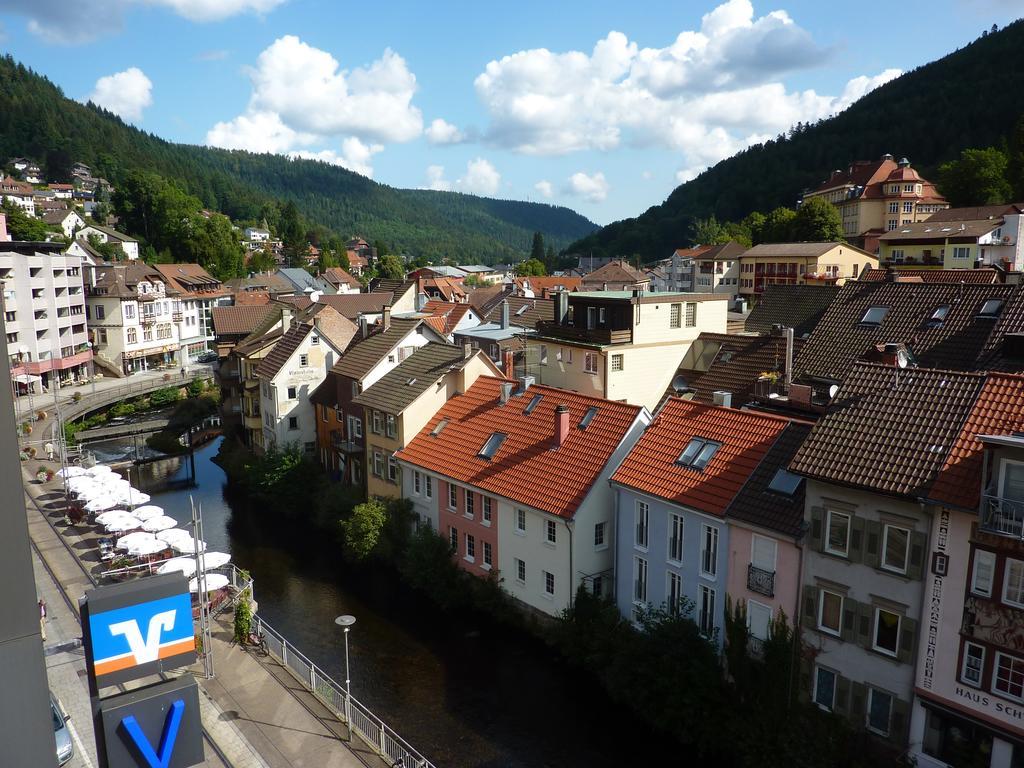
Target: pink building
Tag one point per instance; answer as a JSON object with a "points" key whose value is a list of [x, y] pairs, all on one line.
{"points": [[765, 526], [469, 519]]}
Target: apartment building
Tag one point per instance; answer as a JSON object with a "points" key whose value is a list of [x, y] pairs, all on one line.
{"points": [[617, 275], [129, 246], [717, 269], [800, 264], [198, 292]]}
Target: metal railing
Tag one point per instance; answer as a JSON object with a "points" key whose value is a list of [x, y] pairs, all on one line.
{"points": [[371, 729], [760, 581], [1002, 516]]}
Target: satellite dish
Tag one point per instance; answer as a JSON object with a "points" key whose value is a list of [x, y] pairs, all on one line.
{"points": [[832, 391], [902, 359], [679, 384]]}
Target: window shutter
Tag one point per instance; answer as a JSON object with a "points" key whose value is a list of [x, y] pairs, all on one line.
{"points": [[900, 719], [873, 544], [848, 629], [814, 539], [842, 695], [908, 639], [865, 620], [858, 704], [856, 539], [918, 546], [810, 617]]}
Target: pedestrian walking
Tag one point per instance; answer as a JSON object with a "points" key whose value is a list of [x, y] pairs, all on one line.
{"points": [[183, 371], [49, 451], [42, 618]]}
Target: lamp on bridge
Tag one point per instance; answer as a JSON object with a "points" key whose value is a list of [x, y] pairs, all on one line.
{"points": [[345, 622]]}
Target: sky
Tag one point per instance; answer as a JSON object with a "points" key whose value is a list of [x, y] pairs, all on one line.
{"points": [[604, 107]]}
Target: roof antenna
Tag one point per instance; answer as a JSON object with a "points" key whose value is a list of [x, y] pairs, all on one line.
{"points": [[960, 292]]}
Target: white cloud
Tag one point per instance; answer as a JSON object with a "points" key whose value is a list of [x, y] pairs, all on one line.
{"points": [[708, 94], [214, 55], [354, 155], [442, 132], [125, 94], [593, 188], [60, 21], [256, 132], [544, 187], [481, 178], [436, 179]]}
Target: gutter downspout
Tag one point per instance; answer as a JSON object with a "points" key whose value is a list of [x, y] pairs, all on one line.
{"points": [[572, 589], [615, 543], [797, 619]]}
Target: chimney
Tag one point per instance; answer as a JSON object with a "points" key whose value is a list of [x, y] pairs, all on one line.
{"points": [[787, 334], [4, 235], [364, 326], [561, 424], [562, 308], [525, 382], [504, 314], [467, 350], [506, 391], [722, 398], [508, 363], [386, 317]]}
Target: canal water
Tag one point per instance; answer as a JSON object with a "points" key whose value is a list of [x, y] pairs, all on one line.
{"points": [[461, 691]]}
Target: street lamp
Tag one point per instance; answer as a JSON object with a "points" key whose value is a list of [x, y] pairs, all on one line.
{"points": [[346, 622]]}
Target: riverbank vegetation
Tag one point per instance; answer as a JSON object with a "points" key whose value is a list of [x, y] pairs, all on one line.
{"points": [[158, 399], [740, 710]]}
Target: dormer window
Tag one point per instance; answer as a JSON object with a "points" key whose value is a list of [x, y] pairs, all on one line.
{"points": [[874, 316], [991, 308], [697, 453], [938, 316], [492, 445]]}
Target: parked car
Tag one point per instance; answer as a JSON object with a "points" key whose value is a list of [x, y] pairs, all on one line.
{"points": [[207, 357], [105, 546], [61, 733]]}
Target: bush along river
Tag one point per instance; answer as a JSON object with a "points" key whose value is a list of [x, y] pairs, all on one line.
{"points": [[461, 689]]}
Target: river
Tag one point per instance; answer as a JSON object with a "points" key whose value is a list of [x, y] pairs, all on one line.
{"points": [[463, 692]]}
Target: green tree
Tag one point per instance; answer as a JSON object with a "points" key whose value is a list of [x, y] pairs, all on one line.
{"points": [[709, 232], [380, 247], [21, 226], [364, 529], [262, 260], [1015, 159], [537, 249], [293, 235], [978, 177], [550, 259], [214, 245], [817, 220], [530, 268], [57, 165], [391, 267], [778, 226]]}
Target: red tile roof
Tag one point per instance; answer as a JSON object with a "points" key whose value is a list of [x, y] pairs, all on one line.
{"points": [[998, 410], [240, 319], [449, 312], [527, 468], [745, 438]]}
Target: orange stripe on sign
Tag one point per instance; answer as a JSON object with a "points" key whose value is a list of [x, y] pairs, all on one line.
{"points": [[126, 662], [182, 646]]}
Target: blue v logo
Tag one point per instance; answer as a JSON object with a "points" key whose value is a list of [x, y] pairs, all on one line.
{"points": [[161, 758]]}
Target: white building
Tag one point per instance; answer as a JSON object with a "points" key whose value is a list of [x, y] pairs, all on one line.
{"points": [[68, 221], [198, 292], [44, 310], [19, 193], [130, 314], [129, 246]]}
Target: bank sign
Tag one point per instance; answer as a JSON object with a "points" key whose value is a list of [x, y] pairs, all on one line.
{"points": [[139, 628]]}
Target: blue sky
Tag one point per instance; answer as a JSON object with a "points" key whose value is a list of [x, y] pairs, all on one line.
{"points": [[604, 107]]}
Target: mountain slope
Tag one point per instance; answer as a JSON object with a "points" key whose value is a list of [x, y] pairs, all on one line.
{"points": [[969, 98], [36, 117]]}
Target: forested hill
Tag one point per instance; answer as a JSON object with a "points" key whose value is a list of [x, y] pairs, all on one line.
{"points": [[970, 98], [36, 118]]}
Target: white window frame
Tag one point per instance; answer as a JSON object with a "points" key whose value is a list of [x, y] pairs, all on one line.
{"points": [[417, 482], [486, 510], [590, 362], [821, 610], [469, 508], [641, 574], [521, 522], [488, 555], [990, 559], [641, 525], [520, 571], [303, 361], [453, 497], [392, 468], [673, 584], [1008, 563], [676, 524], [845, 552], [550, 532], [453, 538], [706, 597], [601, 527], [549, 584], [690, 315], [470, 556], [709, 551], [874, 632], [964, 665], [885, 548], [618, 362], [835, 684], [428, 486], [675, 316], [754, 606], [754, 539], [867, 714]]}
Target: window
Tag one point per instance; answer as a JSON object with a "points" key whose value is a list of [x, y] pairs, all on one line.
{"points": [[303, 360], [896, 255], [355, 427], [597, 586], [323, 413], [891, 224], [520, 571], [590, 362], [453, 538], [293, 422], [599, 542], [675, 315], [824, 688], [938, 316], [428, 486], [133, 337], [697, 453], [390, 426], [639, 580], [1013, 583], [675, 592], [392, 469], [314, 340], [974, 662], [520, 521], [830, 612], [1009, 676], [486, 505], [551, 532], [759, 619], [709, 551], [785, 482], [874, 315], [492, 445], [376, 423], [894, 207], [534, 402], [641, 518], [601, 314], [961, 252], [417, 482], [378, 464], [487, 554], [879, 711], [691, 314], [470, 548], [291, 393], [470, 509], [543, 354], [837, 533], [438, 427], [887, 632], [355, 389], [706, 618], [991, 308], [549, 584], [908, 207], [616, 364], [675, 539], [763, 552]]}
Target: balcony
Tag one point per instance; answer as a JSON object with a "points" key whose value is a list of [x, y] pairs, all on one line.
{"points": [[760, 581], [1004, 517], [176, 317], [340, 443], [600, 336], [147, 319]]}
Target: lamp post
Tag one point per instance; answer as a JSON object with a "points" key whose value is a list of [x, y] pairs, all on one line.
{"points": [[345, 622]]}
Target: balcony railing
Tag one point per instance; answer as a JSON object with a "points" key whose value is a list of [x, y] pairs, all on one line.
{"points": [[760, 581], [176, 317], [585, 335], [147, 319], [1002, 516], [345, 445]]}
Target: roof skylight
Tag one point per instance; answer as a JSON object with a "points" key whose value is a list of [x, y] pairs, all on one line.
{"points": [[534, 402], [588, 417], [697, 453], [874, 315], [492, 445], [938, 315], [522, 310], [785, 482], [437, 429], [991, 308]]}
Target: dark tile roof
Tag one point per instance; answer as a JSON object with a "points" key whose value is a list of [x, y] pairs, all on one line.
{"points": [[363, 354], [888, 430], [739, 362], [351, 305], [326, 392], [1004, 350], [729, 251], [758, 504], [615, 272], [271, 364], [524, 312], [236, 320], [983, 276], [399, 387], [977, 212], [958, 343], [799, 307]]}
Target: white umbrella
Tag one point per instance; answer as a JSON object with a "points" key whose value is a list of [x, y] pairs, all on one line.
{"points": [[68, 472], [214, 581], [186, 565], [109, 517], [100, 504], [213, 560], [158, 523], [174, 534], [146, 547], [100, 469], [131, 497], [121, 524], [188, 547], [82, 482], [147, 512], [131, 539]]}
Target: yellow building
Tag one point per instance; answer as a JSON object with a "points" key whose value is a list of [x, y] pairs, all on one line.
{"points": [[959, 238], [800, 263]]}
